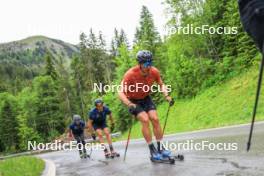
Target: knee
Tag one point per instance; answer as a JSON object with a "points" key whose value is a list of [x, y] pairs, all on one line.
{"points": [[155, 121], [145, 120], [107, 134], [100, 135]]}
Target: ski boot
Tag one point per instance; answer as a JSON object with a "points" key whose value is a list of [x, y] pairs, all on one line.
{"points": [[81, 154], [85, 155], [165, 153], [113, 153], [154, 154], [107, 154], [157, 157], [168, 154]]}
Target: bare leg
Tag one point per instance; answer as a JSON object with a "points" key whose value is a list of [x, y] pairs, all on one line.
{"points": [[144, 119], [108, 136], [156, 124], [101, 139], [100, 135]]}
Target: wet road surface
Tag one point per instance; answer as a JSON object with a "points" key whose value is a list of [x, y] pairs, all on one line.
{"points": [[207, 162]]}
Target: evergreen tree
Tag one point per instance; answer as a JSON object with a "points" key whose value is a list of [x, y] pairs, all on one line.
{"points": [[119, 39], [49, 67], [49, 117], [9, 139], [92, 41], [146, 35], [77, 71]]}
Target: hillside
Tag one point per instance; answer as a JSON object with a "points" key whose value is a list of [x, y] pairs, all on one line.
{"points": [[226, 104], [24, 59], [36, 46]]}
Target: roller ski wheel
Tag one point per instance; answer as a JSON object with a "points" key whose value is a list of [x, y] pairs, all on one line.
{"points": [[86, 156], [115, 154], [179, 157]]}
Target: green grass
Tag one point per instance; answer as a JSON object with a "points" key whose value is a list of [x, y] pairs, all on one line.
{"points": [[222, 105], [22, 166]]}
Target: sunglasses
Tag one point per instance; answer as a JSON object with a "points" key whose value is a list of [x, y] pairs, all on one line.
{"points": [[147, 64]]}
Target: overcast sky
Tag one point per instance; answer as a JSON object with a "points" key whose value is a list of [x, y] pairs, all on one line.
{"points": [[65, 19]]}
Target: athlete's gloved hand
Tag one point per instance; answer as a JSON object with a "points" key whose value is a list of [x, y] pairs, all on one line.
{"points": [[170, 100], [93, 136], [132, 108]]}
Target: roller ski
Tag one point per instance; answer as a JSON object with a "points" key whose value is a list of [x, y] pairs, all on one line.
{"points": [[84, 155], [160, 157], [114, 155], [107, 155], [168, 154], [163, 160]]}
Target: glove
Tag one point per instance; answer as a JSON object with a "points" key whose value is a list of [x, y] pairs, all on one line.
{"points": [[172, 102], [132, 108], [93, 136]]}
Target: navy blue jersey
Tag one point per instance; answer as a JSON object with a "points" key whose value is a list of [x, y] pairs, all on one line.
{"points": [[77, 129], [99, 117]]}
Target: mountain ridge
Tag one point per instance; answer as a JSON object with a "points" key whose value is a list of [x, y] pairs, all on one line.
{"points": [[40, 45]]}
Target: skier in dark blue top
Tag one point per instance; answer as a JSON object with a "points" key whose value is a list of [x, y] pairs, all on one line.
{"points": [[77, 130], [98, 123]]}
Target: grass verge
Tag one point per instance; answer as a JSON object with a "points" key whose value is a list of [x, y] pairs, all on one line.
{"points": [[19, 166]]}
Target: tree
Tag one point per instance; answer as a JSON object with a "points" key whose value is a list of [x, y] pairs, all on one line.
{"points": [[119, 39], [49, 115], [96, 65], [146, 35], [9, 139], [77, 70], [49, 67]]}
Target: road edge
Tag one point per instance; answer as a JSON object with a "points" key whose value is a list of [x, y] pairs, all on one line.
{"points": [[50, 168], [199, 131]]}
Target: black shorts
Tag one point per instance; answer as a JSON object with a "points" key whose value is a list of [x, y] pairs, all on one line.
{"points": [[99, 126], [143, 105], [79, 137]]}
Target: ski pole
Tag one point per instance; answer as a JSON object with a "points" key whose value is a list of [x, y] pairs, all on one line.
{"points": [[256, 100], [128, 139], [167, 115], [91, 151]]}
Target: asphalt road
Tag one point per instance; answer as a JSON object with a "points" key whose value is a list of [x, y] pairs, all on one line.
{"points": [[205, 163]]}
